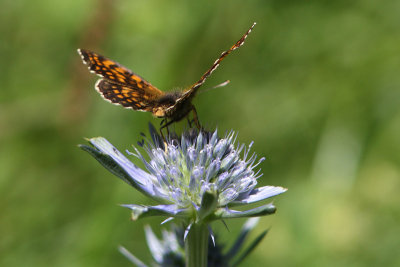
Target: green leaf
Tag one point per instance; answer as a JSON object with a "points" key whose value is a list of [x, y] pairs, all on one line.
{"points": [[131, 257], [109, 164], [252, 246], [141, 211], [247, 227], [256, 212], [208, 205]]}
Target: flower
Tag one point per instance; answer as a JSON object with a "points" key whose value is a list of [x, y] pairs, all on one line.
{"points": [[169, 250], [197, 177]]}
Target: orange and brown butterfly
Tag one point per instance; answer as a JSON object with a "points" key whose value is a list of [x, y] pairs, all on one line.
{"points": [[121, 86]]}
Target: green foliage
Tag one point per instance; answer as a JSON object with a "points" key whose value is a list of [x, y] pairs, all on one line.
{"points": [[316, 86]]}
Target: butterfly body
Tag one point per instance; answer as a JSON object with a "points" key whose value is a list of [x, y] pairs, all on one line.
{"points": [[121, 86]]}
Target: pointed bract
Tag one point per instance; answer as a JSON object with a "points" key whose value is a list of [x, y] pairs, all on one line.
{"points": [[195, 177]]}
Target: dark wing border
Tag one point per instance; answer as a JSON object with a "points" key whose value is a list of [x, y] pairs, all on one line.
{"points": [[192, 89]]}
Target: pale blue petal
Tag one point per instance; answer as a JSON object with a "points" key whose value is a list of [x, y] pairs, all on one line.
{"points": [[259, 194]]}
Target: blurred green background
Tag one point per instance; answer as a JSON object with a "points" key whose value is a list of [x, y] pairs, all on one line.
{"points": [[316, 86]]}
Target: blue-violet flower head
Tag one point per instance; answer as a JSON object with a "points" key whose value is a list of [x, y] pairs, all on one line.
{"points": [[197, 176]]}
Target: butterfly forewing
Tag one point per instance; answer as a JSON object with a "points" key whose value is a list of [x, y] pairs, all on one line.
{"points": [[192, 89], [119, 84]]}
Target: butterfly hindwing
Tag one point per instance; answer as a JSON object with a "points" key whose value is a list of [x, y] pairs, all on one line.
{"points": [[125, 96]]}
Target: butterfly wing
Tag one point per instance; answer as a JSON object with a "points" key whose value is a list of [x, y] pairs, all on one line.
{"points": [[192, 89], [126, 96], [120, 85]]}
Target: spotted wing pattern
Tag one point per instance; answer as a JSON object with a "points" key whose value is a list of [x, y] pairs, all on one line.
{"points": [[119, 85], [124, 96], [192, 89]]}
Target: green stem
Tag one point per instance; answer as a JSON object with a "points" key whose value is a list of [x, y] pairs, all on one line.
{"points": [[196, 246]]}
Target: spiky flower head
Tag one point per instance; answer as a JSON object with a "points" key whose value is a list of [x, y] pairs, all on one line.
{"points": [[197, 177]]}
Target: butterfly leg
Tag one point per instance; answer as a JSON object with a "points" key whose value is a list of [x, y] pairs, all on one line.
{"points": [[162, 135], [165, 123], [162, 122], [189, 122], [196, 118]]}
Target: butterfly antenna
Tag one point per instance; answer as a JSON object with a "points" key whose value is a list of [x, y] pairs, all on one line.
{"points": [[194, 87], [216, 86]]}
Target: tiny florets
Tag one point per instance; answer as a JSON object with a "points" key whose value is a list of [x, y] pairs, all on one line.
{"points": [[184, 168]]}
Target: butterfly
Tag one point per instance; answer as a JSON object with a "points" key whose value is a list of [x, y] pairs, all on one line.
{"points": [[121, 86]]}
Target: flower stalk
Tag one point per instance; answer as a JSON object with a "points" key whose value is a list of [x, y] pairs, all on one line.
{"points": [[196, 245]]}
